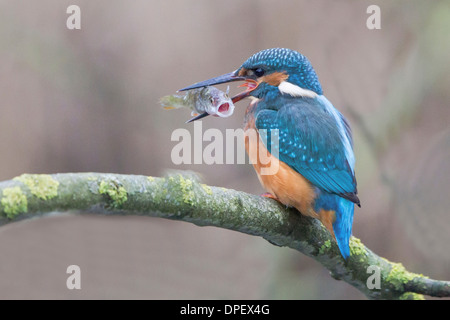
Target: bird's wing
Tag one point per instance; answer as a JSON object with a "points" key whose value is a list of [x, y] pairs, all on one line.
{"points": [[310, 142]]}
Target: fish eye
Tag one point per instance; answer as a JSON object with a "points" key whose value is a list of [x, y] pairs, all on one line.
{"points": [[259, 72], [212, 100]]}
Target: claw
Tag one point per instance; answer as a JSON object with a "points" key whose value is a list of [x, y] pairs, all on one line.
{"points": [[270, 196]]}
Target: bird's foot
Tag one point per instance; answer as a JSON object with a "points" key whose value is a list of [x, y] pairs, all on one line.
{"points": [[270, 196]]}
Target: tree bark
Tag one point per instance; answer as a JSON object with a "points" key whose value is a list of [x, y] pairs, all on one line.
{"points": [[181, 196]]}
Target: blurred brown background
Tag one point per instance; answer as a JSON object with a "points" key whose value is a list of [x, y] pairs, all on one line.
{"points": [[87, 100]]}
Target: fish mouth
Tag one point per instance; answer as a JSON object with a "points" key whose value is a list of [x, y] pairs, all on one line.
{"points": [[225, 110]]}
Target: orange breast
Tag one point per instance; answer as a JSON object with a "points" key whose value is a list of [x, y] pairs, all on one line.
{"points": [[290, 187]]}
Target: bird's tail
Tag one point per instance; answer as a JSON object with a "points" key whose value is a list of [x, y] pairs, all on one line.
{"points": [[342, 226], [336, 214]]}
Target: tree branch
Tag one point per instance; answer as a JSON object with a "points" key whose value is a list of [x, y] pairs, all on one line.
{"points": [[182, 197]]}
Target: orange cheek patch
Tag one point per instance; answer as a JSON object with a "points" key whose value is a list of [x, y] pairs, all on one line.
{"points": [[274, 79], [242, 72]]}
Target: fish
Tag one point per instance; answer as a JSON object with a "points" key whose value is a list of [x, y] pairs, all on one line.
{"points": [[202, 101]]}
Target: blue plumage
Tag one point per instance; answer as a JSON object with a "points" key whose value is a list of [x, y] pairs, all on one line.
{"points": [[314, 145], [286, 59], [314, 138], [342, 226], [309, 142]]}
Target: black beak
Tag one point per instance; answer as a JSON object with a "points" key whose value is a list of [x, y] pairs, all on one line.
{"points": [[200, 116], [228, 77]]}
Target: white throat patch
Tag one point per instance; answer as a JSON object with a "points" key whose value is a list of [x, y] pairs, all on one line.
{"points": [[295, 91]]}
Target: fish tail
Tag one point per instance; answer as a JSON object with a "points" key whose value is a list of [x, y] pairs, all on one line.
{"points": [[172, 102]]}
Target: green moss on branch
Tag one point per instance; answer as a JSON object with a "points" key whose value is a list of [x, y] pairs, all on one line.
{"points": [[182, 197], [14, 202], [42, 186]]}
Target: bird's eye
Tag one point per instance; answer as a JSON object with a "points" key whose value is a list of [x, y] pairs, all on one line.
{"points": [[259, 72]]}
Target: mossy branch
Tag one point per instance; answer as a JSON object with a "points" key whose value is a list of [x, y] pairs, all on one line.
{"points": [[182, 197]]}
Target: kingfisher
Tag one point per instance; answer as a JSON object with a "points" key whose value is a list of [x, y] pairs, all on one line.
{"points": [[314, 145]]}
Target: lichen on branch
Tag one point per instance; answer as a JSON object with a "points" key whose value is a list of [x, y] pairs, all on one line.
{"points": [[181, 196]]}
